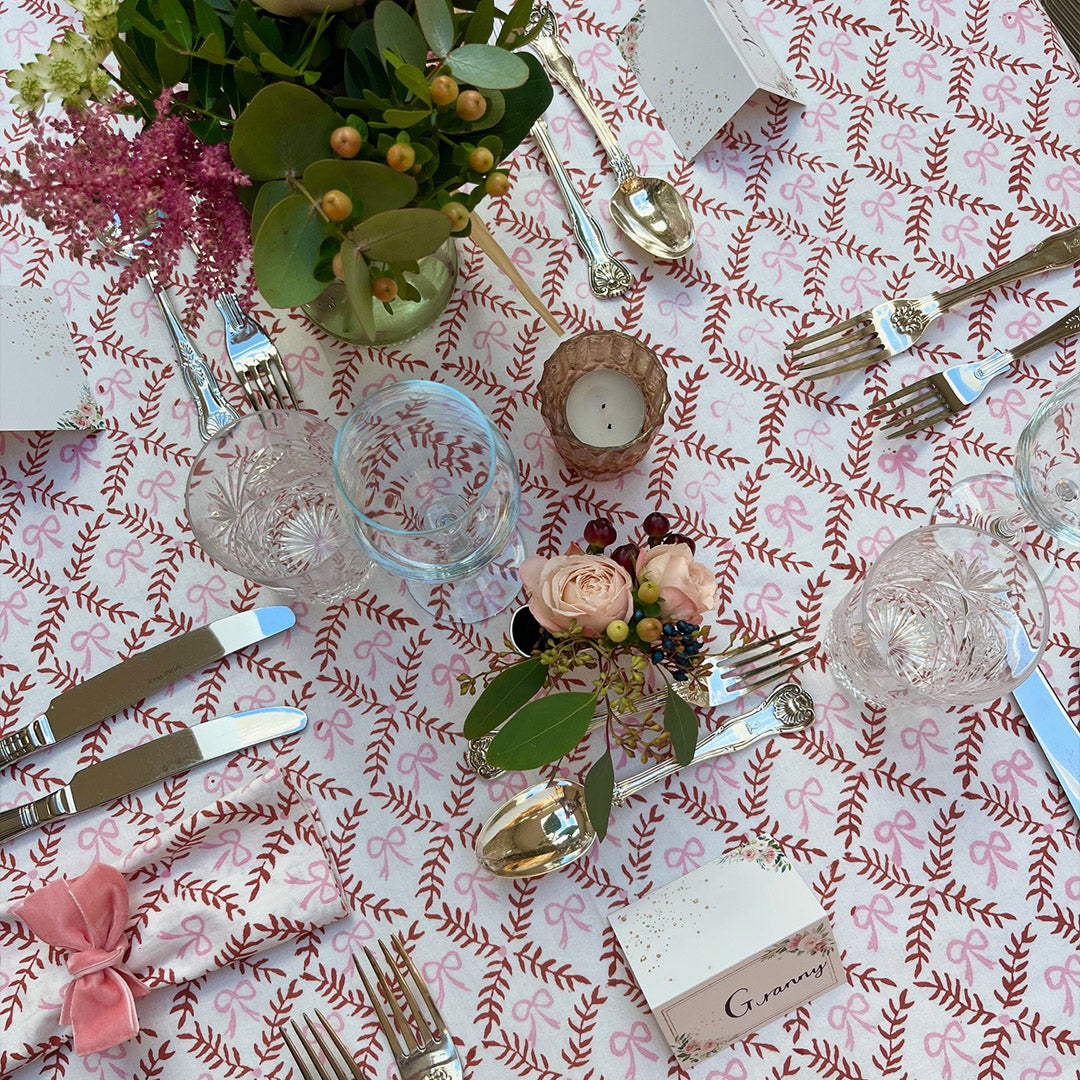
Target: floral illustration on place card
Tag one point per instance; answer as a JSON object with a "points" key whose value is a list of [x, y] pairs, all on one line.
{"points": [[699, 64], [42, 386]]}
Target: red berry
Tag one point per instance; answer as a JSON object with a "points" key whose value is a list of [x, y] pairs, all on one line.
{"points": [[599, 533], [679, 538], [626, 556], [656, 526]]}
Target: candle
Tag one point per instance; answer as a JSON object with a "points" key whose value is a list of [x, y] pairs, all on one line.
{"points": [[605, 408]]}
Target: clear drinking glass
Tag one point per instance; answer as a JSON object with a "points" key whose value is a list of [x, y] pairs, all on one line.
{"points": [[431, 491], [947, 615], [261, 501]]}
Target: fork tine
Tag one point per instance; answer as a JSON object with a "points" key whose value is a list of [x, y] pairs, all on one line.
{"points": [[943, 414], [774, 662], [384, 1023], [896, 414], [345, 1055], [265, 386], [861, 355], [304, 1072], [282, 373], [418, 1017], [864, 361], [403, 1026], [903, 392], [837, 328], [753, 650], [266, 369], [425, 993], [860, 334], [928, 406], [245, 385]]}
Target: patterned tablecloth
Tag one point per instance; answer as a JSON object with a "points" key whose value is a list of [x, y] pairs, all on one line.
{"points": [[939, 138]]}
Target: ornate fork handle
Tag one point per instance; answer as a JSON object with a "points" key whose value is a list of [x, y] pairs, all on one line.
{"points": [[789, 709], [607, 276], [1054, 252]]}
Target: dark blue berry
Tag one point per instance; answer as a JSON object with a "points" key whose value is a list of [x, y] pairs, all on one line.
{"points": [[657, 657], [669, 628], [638, 613], [681, 676]]}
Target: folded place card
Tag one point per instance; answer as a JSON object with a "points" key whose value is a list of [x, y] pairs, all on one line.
{"points": [[699, 62], [42, 386], [727, 948]]}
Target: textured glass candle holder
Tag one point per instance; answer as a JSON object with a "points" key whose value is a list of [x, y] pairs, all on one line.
{"points": [[595, 351]]}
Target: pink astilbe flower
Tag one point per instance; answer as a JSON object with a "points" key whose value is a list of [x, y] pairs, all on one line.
{"points": [[83, 175]]}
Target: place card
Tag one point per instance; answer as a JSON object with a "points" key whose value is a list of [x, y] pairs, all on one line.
{"points": [[699, 62], [42, 386], [731, 946]]}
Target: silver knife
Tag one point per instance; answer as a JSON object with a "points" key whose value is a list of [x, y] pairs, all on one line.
{"points": [[1054, 731], [106, 693], [153, 761]]}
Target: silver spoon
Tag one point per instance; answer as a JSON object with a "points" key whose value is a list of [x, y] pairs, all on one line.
{"points": [[547, 826], [647, 209]]}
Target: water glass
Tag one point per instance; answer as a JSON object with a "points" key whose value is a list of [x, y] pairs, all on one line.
{"points": [[947, 615], [261, 500]]}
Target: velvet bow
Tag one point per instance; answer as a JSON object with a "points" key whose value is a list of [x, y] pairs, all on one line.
{"points": [[86, 915]]}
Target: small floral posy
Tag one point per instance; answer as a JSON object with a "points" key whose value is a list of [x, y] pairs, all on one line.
{"points": [[690, 1050], [817, 941], [86, 416], [765, 851], [624, 611]]}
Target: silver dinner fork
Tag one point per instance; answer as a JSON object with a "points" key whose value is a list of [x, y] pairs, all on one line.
{"points": [[258, 365], [735, 673], [894, 326], [948, 392], [325, 1044], [429, 1052]]}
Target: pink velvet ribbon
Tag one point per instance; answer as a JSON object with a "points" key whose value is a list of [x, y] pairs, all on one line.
{"points": [[87, 915]]}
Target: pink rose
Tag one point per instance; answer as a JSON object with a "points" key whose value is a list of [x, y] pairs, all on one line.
{"points": [[591, 589], [687, 588]]}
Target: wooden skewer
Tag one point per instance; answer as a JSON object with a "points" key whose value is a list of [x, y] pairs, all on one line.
{"points": [[493, 249]]}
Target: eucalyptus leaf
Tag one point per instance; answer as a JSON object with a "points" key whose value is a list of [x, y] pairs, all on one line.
{"points": [[481, 24], [395, 235], [599, 789], [504, 695], [514, 22], [523, 105], [395, 31], [286, 249], [488, 67], [358, 285], [283, 130], [437, 24], [374, 188], [174, 18], [681, 723], [542, 731], [268, 196]]}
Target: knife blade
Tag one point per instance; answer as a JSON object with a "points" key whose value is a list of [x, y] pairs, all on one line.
{"points": [[1054, 731], [153, 761], [105, 694]]}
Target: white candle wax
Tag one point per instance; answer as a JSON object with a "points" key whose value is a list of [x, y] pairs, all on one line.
{"points": [[605, 408]]}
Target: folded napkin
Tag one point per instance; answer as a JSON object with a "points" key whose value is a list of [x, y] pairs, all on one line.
{"points": [[246, 873]]}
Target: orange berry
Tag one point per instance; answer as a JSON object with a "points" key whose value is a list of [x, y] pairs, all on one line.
{"points": [[401, 157], [336, 205], [481, 159], [338, 266], [345, 141], [384, 289], [458, 215], [497, 184], [471, 105], [444, 90]]}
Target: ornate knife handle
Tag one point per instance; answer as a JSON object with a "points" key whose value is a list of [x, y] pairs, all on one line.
{"points": [[608, 277], [21, 818], [25, 740], [1062, 249], [560, 66], [789, 709], [215, 412]]}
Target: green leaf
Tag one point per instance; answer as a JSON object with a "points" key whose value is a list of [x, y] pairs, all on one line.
{"points": [[395, 235], [283, 130], [523, 105], [481, 24], [504, 695], [542, 731], [599, 788], [269, 195], [208, 21], [681, 723], [396, 32], [175, 19], [488, 67], [212, 49], [405, 118], [412, 78], [269, 62], [437, 24], [518, 17], [286, 250], [172, 66], [374, 188], [139, 22], [358, 285], [134, 75]]}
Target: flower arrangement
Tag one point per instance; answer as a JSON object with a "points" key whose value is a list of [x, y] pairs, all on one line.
{"points": [[626, 612], [368, 134]]}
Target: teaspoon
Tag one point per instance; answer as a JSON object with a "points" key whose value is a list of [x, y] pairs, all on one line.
{"points": [[547, 826], [648, 210]]}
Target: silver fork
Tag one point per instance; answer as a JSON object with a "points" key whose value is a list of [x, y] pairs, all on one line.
{"points": [[951, 391], [258, 365], [429, 1052], [735, 673], [332, 1064], [894, 326]]}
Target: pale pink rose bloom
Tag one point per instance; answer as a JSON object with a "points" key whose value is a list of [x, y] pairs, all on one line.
{"points": [[591, 589], [687, 588]]}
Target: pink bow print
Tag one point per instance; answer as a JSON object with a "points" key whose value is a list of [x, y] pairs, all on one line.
{"points": [[86, 915]]}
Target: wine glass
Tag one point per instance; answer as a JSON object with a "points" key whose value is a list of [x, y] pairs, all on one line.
{"points": [[261, 500], [1043, 492], [430, 489], [948, 614]]}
